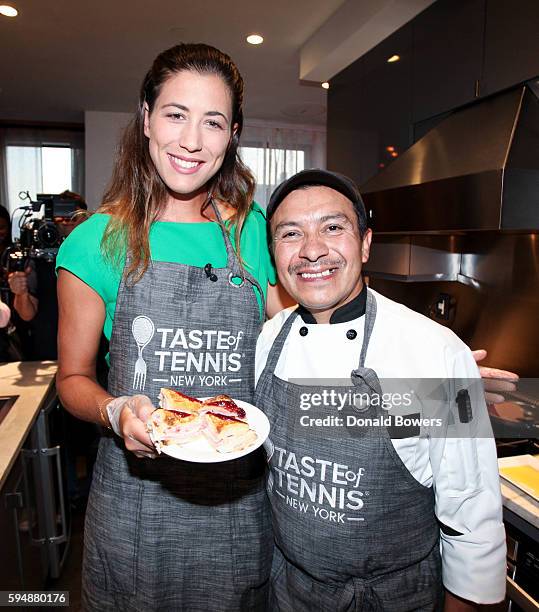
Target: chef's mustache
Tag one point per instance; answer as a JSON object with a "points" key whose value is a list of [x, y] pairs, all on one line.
{"points": [[315, 267]]}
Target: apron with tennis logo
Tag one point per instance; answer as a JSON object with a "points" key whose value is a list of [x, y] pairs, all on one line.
{"points": [[165, 534], [353, 529]]}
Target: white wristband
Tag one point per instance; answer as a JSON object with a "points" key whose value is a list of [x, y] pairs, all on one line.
{"points": [[114, 409]]}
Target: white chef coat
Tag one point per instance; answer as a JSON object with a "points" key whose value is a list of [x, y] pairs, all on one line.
{"points": [[463, 471]]}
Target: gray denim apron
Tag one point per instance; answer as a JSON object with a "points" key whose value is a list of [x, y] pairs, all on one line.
{"points": [[165, 534], [353, 529]]}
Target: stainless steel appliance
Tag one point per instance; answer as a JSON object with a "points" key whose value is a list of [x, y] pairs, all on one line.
{"points": [[33, 519], [522, 564], [477, 170], [522, 542], [456, 220]]}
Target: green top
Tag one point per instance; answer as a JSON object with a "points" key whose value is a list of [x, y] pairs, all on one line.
{"points": [[193, 244]]}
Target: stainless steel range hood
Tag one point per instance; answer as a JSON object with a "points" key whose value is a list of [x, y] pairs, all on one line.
{"points": [[462, 204], [477, 170]]}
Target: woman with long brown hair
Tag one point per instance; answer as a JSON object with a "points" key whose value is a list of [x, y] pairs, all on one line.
{"points": [[175, 260]]}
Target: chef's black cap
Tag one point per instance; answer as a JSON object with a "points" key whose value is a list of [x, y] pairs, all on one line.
{"points": [[325, 178]]}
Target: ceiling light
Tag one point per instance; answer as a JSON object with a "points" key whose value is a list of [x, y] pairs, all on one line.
{"points": [[394, 154], [8, 11], [255, 39], [393, 58], [325, 85], [390, 149]]}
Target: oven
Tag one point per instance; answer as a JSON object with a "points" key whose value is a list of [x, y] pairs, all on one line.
{"points": [[522, 536], [522, 564]]}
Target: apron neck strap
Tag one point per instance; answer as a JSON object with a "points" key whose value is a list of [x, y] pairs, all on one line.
{"points": [[236, 269], [370, 317], [232, 260]]}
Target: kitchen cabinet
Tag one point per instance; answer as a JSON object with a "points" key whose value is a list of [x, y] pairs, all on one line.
{"points": [[450, 54], [33, 518], [21, 562], [344, 138], [447, 56], [511, 44], [385, 118], [369, 109]]}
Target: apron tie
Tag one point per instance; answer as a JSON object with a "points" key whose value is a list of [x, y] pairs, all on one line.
{"points": [[359, 595]]}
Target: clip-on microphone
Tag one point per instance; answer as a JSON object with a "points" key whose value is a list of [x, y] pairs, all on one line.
{"points": [[209, 273]]}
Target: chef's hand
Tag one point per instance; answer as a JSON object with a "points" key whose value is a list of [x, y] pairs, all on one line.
{"points": [[495, 381], [128, 416]]}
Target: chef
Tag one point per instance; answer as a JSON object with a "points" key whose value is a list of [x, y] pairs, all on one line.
{"points": [[365, 520]]}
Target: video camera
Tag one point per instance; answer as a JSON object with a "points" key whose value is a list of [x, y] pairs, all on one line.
{"points": [[39, 235]]}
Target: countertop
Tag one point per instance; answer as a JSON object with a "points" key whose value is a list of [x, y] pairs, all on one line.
{"points": [[31, 381], [518, 502]]}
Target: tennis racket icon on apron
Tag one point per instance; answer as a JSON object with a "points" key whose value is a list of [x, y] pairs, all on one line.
{"points": [[143, 330]]}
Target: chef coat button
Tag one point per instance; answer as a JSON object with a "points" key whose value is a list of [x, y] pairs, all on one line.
{"points": [[351, 334], [303, 331]]}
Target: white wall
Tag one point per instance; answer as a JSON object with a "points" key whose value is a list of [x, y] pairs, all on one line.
{"points": [[102, 133]]}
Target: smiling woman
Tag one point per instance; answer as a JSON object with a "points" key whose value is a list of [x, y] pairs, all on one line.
{"points": [[193, 111], [162, 258], [184, 140]]}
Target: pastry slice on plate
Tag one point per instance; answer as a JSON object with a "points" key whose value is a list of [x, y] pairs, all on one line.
{"points": [[226, 433], [174, 427], [223, 404], [175, 400], [182, 419]]}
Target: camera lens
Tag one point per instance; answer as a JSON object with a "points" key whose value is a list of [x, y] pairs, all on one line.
{"points": [[48, 235]]}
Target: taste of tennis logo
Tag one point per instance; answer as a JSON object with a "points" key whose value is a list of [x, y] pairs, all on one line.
{"points": [[319, 488], [180, 357]]}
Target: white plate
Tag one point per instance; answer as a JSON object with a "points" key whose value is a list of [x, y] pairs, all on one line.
{"points": [[520, 461], [201, 451]]}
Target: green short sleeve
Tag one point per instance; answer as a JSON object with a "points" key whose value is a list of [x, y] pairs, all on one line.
{"points": [[81, 255]]}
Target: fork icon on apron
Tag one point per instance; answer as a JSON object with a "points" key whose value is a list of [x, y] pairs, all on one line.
{"points": [[143, 330]]}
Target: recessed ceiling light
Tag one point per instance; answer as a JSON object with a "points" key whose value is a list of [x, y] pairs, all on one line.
{"points": [[255, 39], [325, 85], [8, 11], [393, 58]]}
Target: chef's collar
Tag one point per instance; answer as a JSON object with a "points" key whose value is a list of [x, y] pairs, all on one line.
{"points": [[347, 312]]}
